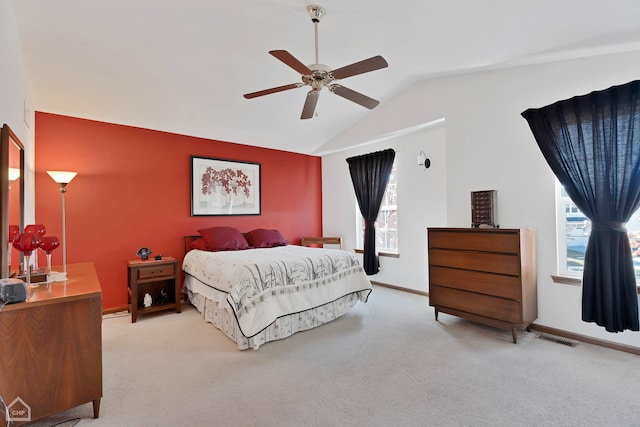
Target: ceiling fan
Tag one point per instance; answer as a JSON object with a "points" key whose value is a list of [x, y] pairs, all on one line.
{"points": [[317, 76]]}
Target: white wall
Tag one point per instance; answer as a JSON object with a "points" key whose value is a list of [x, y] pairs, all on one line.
{"points": [[489, 146], [14, 93], [421, 201]]}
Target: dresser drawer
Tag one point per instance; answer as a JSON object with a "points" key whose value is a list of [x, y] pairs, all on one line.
{"points": [[481, 305], [486, 283], [153, 271], [478, 261], [476, 240]]}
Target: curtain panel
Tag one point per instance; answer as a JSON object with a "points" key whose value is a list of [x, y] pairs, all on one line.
{"points": [[592, 144], [370, 176]]}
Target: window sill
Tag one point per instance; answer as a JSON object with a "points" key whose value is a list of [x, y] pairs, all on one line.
{"points": [[387, 254], [566, 280]]}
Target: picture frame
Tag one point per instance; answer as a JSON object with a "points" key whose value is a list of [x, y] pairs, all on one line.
{"points": [[225, 187]]}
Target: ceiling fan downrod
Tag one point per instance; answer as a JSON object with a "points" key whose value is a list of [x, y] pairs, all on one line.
{"points": [[316, 13]]}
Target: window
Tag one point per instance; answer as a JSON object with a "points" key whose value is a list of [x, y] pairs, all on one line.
{"points": [[387, 221], [573, 233]]}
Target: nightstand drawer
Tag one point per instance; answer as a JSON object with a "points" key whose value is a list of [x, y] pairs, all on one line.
{"points": [[156, 271]]}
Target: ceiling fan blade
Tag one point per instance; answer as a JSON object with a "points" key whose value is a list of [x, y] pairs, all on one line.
{"points": [[272, 90], [371, 64], [310, 104], [291, 61], [354, 96]]}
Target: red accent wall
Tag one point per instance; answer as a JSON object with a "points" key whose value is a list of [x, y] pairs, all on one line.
{"points": [[133, 189]]}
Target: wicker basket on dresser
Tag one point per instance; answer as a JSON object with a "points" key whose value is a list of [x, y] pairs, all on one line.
{"points": [[487, 275]]}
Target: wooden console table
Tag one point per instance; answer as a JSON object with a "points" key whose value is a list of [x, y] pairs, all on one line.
{"points": [[51, 347]]}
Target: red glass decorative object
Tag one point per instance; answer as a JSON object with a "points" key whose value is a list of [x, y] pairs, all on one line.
{"points": [[49, 243], [27, 242], [14, 230], [38, 229]]}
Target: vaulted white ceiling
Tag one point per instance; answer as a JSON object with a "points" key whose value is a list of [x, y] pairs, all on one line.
{"points": [[183, 67]]}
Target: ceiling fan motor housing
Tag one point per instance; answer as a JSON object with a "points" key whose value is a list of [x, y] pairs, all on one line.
{"points": [[316, 12], [321, 76]]}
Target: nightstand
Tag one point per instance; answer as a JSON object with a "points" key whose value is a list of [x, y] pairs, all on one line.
{"points": [[158, 278]]}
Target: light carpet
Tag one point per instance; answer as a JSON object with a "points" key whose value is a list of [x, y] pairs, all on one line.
{"points": [[385, 363]]}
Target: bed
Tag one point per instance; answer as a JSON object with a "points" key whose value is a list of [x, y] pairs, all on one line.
{"points": [[261, 292]]}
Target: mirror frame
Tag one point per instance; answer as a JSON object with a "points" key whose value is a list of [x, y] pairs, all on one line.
{"points": [[8, 140]]}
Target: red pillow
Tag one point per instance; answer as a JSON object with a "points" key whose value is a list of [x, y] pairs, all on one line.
{"points": [[197, 244], [261, 238], [223, 239]]}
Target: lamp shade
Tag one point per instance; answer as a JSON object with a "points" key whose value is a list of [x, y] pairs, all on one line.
{"points": [[62, 177], [14, 173]]}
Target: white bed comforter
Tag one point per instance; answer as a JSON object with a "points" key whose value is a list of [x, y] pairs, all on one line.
{"points": [[264, 284]]}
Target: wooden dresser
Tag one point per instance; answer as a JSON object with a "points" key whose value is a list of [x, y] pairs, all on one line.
{"points": [[487, 275], [51, 347]]}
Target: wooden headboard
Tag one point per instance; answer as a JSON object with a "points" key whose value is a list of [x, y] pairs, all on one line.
{"points": [[186, 241], [306, 241]]}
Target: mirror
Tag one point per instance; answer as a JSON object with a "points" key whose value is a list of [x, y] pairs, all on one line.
{"points": [[11, 197]]}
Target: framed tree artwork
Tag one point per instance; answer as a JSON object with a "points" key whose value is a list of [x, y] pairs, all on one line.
{"points": [[224, 187]]}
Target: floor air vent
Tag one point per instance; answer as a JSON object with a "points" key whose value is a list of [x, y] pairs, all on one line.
{"points": [[557, 340]]}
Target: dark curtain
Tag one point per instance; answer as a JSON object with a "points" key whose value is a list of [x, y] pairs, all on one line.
{"points": [[592, 143], [370, 175]]}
